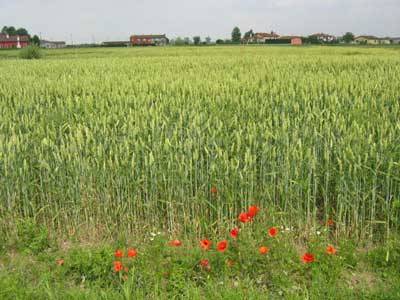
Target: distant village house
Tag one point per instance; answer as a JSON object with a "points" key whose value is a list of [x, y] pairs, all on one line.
{"points": [[292, 40], [372, 40], [296, 41], [13, 41], [262, 37], [149, 40], [396, 40], [385, 41], [323, 37], [52, 44]]}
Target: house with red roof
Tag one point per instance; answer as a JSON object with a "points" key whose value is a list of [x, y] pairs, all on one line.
{"points": [[263, 37], [149, 40], [13, 41]]}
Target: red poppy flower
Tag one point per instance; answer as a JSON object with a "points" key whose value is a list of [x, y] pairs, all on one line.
{"points": [[263, 250], [214, 190], [244, 217], [118, 266], [205, 244], [118, 253], [60, 262], [175, 243], [330, 222], [253, 211], [205, 264], [308, 258], [235, 232], [331, 250], [273, 231], [222, 246], [132, 253]]}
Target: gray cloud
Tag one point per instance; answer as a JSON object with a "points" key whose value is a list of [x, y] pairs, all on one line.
{"points": [[101, 20]]}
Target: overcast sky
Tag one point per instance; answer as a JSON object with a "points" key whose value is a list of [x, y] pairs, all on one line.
{"points": [[101, 20]]}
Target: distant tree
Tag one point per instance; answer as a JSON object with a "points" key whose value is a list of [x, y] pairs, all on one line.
{"points": [[196, 40], [236, 35], [208, 40], [11, 30], [22, 31], [249, 34], [187, 40], [348, 37], [35, 40], [312, 39], [219, 41], [179, 41]]}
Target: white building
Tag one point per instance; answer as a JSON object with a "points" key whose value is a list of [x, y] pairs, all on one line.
{"points": [[323, 37], [52, 44]]}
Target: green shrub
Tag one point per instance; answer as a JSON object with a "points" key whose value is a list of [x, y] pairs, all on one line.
{"points": [[31, 52], [32, 238], [90, 265], [385, 258]]}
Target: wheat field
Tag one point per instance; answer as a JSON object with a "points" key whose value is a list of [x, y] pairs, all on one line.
{"points": [[128, 138]]}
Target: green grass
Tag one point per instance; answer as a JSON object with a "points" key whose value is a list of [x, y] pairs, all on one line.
{"points": [[164, 272]]}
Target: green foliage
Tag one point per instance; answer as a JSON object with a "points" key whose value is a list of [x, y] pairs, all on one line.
{"points": [[196, 40], [348, 37], [12, 31], [9, 30], [249, 34], [22, 31], [35, 40], [89, 265], [179, 41], [385, 258], [31, 237], [312, 39], [236, 35], [31, 52], [161, 271]]}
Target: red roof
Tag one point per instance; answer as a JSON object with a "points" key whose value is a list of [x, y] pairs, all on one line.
{"points": [[265, 34], [149, 36], [14, 38]]}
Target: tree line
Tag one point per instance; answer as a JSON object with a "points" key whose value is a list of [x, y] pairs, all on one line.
{"points": [[348, 37], [237, 38]]}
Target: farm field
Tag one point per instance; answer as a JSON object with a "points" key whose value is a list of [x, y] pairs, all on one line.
{"points": [[106, 149]]}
